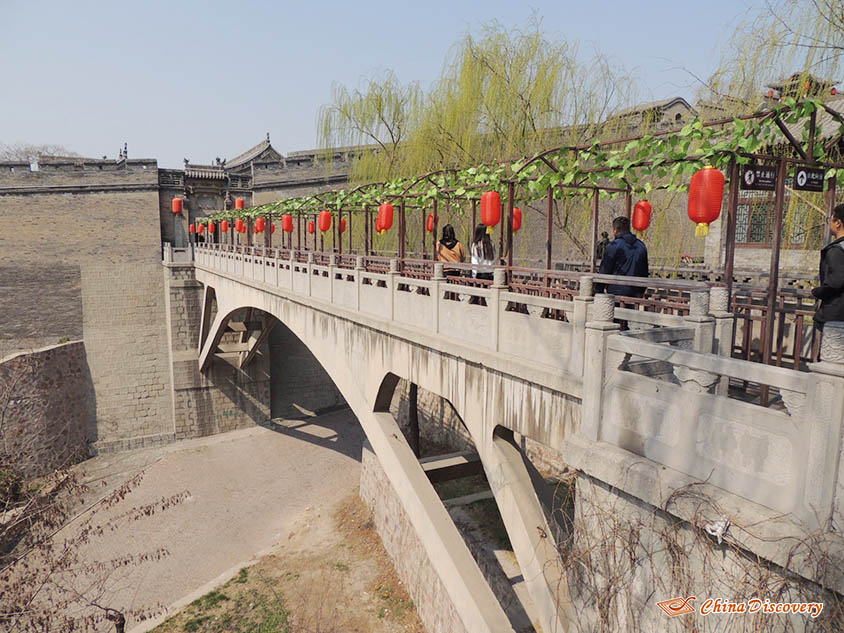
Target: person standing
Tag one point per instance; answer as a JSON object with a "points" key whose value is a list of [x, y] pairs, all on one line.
{"points": [[449, 250], [601, 246], [483, 253], [831, 291], [626, 255]]}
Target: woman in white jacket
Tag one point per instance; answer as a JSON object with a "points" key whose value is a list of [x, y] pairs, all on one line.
{"points": [[483, 253]]}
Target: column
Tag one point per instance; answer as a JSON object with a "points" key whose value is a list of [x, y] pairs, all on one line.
{"points": [[598, 330]]}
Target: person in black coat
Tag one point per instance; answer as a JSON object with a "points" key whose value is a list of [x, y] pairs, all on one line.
{"points": [[831, 290], [625, 255]]}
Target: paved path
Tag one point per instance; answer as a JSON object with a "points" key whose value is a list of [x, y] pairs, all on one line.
{"points": [[247, 488]]}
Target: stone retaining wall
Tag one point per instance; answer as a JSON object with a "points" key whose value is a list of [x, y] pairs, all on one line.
{"points": [[405, 549], [46, 398]]}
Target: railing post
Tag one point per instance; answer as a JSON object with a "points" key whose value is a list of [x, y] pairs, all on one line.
{"points": [[499, 285], [582, 305], [594, 363], [332, 263], [436, 280], [392, 284], [823, 416], [359, 269], [310, 267], [719, 308], [292, 263], [700, 320]]}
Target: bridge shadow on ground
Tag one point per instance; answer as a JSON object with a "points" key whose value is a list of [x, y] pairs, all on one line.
{"points": [[336, 429]]}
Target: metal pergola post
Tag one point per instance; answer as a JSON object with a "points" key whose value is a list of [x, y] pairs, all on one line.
{"points": [[594, 254], [549, 228]]}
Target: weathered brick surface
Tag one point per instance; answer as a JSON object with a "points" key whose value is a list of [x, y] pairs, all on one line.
{"points": [[126, 339], [438, 421], [27, 325], [83, 258], [224, 398], [441, 425], [300, 385], [46, 399], [404, 547]]}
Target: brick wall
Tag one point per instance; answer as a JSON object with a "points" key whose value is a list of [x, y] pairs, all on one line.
{"points": [[26, 324], [300, 386], [405, 549], [46, 397], [438, 421], [80, 256], [223, 399], [126, 339]]}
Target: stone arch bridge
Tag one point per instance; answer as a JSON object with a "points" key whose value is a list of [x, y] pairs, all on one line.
{"points": [[514, 365]]}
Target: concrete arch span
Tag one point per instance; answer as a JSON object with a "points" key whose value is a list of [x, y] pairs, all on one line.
{"points": [[366, 362]]}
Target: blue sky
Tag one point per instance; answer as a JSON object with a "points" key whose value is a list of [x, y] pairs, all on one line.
{"points": [[206, 79]]}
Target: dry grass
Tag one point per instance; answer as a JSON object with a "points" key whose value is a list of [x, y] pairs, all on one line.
{"points": [[331, 576]]}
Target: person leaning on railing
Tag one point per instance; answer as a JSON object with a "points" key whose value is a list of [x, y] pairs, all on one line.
{"points": [[449, 250], [626, 255], [831, 290], [483, 253]]}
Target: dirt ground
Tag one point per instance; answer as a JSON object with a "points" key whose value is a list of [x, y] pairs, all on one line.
{"points": [[331, 575]]}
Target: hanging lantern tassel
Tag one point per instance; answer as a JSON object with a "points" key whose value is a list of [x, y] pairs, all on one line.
{"points": [[706, 193]]}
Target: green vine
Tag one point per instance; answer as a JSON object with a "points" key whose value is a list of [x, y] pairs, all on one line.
{"points": [[652, 162]]}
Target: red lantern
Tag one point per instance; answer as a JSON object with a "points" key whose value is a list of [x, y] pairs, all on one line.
{"points": [[706, 192], [177, 205], [211, 227], [238, 225], [224, 226], [272, 227], [260, 225], [642, 215], [238, 203], [287, 223], [200, 229], [429, 225], [192, 228], [243, 228], [311, 227], [342, 225], [324, 220], [378, 224], [833, 92], [385, 213], [517, 219], [490, 209], [770, 94]]}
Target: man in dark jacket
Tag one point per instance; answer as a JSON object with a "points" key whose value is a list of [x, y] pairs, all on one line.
{"points": [[831, 290], [625, 255]]}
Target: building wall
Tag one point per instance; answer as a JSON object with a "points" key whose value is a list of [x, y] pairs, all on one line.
{"points": [[300, 386], [46, 398], [223, 399], [82, 258]]}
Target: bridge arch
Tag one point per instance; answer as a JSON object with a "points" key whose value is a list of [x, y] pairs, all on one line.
{"points": [[365, 362], [369, 399]]}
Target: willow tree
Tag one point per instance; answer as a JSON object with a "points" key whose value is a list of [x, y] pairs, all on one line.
{"points": [[783, 49], [782, 39], [375, 117], [504, 94]]}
